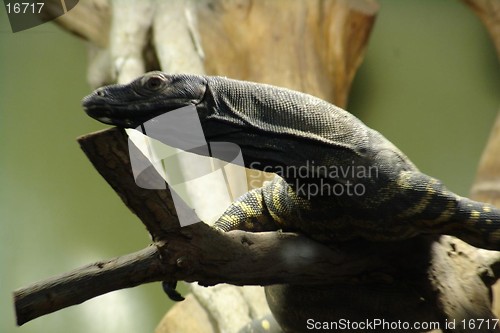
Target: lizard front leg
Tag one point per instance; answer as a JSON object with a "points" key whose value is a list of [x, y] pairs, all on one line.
{"points": [[262, 209]]}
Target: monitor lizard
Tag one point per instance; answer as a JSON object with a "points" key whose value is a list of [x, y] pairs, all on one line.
{"points": [[338, 179]]}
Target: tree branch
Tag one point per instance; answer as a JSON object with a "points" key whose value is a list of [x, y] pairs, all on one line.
{"points": [[199, 253], [193, 253], [86, 282]]}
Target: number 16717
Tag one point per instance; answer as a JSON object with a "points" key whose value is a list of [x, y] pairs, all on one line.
{"points": [[24, 7]]}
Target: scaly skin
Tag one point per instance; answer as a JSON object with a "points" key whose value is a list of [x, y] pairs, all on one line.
{"points": [[277, 129]]}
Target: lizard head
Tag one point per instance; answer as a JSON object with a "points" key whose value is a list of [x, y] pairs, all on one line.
{"points": [[129, 105]]}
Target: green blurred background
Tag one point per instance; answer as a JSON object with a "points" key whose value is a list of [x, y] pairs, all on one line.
{"points": [[430, 83]]}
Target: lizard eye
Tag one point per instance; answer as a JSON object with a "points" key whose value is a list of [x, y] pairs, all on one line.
{"points": [[153, 82]]}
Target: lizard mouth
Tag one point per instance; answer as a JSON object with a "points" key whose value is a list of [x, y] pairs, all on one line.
{"points": [[128, 115], [109, 115]]}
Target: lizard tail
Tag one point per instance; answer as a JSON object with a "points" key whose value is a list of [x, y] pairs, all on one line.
{"points": [[436, 210], [481, 221]]}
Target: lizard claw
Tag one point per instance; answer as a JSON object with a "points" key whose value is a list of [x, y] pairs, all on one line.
{"points": [[169, 289]]}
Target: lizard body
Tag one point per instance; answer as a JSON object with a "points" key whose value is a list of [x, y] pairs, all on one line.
{"points": [[320, 153]]}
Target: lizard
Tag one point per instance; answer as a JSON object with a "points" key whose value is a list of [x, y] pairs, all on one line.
{"points": [[324, 157]]}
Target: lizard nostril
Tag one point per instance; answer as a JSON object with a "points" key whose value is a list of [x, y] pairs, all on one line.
{"points": [[101, 93]]}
